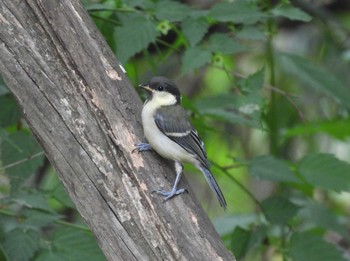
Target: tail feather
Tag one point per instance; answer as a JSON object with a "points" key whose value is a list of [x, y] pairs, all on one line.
{"points": [[214, 186]]}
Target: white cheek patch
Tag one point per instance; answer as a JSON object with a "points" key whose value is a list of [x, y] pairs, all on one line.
{"points": [[164, 98]]}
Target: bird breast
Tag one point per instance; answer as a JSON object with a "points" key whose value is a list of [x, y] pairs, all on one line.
{"points": [[163, 145]]}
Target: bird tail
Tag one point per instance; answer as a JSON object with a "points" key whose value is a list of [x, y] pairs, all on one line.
{"points": [[214, 186]]}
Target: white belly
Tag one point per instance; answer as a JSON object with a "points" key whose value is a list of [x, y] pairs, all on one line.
{"points": [[163, 145]]}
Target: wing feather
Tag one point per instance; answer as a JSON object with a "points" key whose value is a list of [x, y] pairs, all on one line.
{"points": [[173, 122]]}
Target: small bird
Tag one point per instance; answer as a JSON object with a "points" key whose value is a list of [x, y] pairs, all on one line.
{"points": [[169, 132]]}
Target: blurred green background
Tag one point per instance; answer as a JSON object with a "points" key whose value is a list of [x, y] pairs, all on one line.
{"points": [[266, 84]]}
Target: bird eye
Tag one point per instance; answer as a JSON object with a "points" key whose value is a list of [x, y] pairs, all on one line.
{"points": [[160, 88]]}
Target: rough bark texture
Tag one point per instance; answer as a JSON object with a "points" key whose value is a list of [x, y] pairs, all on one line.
{"points": [[85, 114]]}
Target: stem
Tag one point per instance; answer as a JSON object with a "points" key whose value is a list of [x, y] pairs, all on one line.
{"points": [[61, 222], [22, 160], [272, 81], [239, 184]]}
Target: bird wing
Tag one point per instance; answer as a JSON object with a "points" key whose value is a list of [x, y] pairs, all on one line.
{"points": [[173, 122]]}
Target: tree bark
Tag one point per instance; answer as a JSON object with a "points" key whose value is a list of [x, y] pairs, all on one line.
{"points": [[86, 115]]}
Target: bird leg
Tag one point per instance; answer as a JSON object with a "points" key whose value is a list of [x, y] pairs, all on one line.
{"points": [[142, 147], [174, 191]]}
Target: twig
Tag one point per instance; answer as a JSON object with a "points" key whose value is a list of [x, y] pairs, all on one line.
{"points": [[288, 96], [239, 184], [22, 160]]}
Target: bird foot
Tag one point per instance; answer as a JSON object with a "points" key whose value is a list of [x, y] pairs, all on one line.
{"points": [[142, 147], [169, 194]]}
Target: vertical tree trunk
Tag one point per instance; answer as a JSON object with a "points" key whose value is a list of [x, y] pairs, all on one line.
{"points": [[85, 114]]}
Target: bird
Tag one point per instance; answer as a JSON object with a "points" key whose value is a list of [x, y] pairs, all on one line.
{"points": [[170, 133]]}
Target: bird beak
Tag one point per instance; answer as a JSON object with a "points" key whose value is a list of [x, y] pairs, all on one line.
{"points": [[146, 87]]}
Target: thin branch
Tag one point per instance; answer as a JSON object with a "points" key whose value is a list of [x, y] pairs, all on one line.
{"points": [[239, 184], [61, 222], [234, 166], [22, 160], [288, 96]]}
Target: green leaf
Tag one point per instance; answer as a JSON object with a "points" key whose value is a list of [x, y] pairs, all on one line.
{"points": [[3, 88], [278, 210], [39, 218], [222, 43], [226, 224], [61, 195], [10, 113], [253, 83], [240, 241], [270, 168], [325, 171], [242, 109], [251, 33], [19, 148], [194, 58], [135, 34], [243, 240], [32, 199], [52, 255], [230, 108], [339, 129], [292, 13], [306, 246], [319, 215], [194, 29], [76, 245], [238, 12], [171, 10], [3, 256], [316, 77], [20, 244]]}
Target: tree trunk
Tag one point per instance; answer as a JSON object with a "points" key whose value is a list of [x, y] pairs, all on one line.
{"points": [[86, 115]]}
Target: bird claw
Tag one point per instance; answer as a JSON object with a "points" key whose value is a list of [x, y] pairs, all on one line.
{"points": [[169, 194], [142, 147]]}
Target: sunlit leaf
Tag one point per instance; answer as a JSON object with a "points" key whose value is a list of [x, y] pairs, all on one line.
{"points": [[306, 246], [326, 171], [270, 168]]}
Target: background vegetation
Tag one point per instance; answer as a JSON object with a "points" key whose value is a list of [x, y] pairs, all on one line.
{"points": [[266, 84]]}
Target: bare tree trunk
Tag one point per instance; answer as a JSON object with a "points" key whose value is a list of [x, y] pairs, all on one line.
{"points": [[85, 114]]}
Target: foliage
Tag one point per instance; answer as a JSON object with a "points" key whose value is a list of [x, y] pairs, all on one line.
{"points": [[272, 115]]}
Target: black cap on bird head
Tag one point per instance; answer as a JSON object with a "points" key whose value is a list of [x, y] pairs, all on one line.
{"points": [[160, 84]]}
